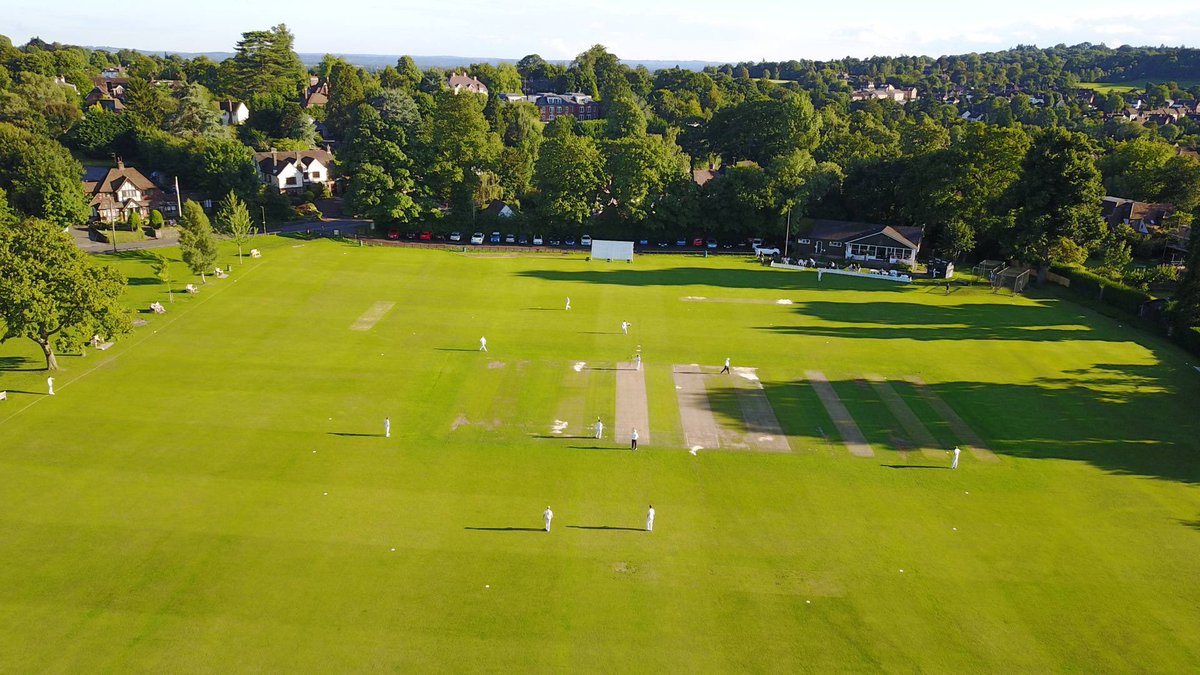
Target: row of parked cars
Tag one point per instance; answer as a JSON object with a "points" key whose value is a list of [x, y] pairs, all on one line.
{"points": [[756, 245]]}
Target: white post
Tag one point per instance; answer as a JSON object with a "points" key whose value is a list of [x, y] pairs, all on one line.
{"points": [[178, 201], [788, 234]]}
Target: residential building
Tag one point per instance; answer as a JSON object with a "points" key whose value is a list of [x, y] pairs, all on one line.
{"points": [[581, 106], [119, 192], [871, 92], [295, 171], [233, 113], [1143, 217], [861, 242], [460, 81], [317, 93]]}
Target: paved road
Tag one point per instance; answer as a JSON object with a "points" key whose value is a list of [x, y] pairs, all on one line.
{"points": [[343, 226]]}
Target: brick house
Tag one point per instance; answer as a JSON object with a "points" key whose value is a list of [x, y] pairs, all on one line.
{"points": [[861, 242], [550, 106], [119, 192]]}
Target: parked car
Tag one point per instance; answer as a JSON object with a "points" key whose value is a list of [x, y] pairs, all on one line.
{"points": [[585, 240], [456, 236], [555, 242], [766, 250], [663, 244], [393, 234], [537, 240], [643, 242], [495, 238], [570, 241], [711, 243], [427, 236], [510, 238], [523, 240], [681, 242], [477, 238]]}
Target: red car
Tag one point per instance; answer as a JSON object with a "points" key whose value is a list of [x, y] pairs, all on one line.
{"points": [[426, 236], [393, 234], [698, 242]]}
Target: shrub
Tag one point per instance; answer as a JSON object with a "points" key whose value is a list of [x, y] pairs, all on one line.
{"points": [[1107, 291], [307, 211], [1146, 277], [156, 219]]}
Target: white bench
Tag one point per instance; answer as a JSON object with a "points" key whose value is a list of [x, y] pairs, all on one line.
{"points": [[3, 395], [254, 253], [191, 288]]}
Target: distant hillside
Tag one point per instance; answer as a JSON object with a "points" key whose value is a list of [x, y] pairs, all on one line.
{"points": [[378, 61]]}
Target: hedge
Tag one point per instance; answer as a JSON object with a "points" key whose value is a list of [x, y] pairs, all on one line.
{"points": [[1103, 289]]}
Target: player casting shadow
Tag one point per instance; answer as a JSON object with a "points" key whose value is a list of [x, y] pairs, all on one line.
{"points": [[599, 332], [595, 447], [455, 349], [912, 466], [565, 437], [506, 529], [347, 433], [544, 309], [31, 393], [606, 527]]}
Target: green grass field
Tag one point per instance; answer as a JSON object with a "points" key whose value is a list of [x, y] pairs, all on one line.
{"points": [[1130, 86], [214, 492]]}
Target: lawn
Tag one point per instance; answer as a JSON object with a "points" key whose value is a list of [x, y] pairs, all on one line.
{"points": [[1130, 86], [214, 492]]}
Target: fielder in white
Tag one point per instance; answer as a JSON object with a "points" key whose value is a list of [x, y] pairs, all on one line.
{"points": [[599, 429], [50, 385], [483, 344], [568, 303], [650, 519], [387, 427], [954, 464], [633, 440], [547, 516], [625, 327], [637, 361]]}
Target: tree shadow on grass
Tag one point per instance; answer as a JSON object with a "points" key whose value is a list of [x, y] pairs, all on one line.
{"points": [[752, 277], [912, 466], [1123, 419], [143, 281], [919, 321], [15, 363]]}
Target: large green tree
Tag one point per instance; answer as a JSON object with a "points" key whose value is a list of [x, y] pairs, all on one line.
{"points": [[1056, 197], [569, 174], [196, 240], [345, 95], [52, 293], [761, 130], [41, 177], [460, 145], [265, 63], [234, 220]]}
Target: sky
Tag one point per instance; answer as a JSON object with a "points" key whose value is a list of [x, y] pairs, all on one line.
{"points": [[725, 31]]}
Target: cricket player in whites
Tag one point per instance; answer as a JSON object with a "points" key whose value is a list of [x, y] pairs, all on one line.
{"points": [[650, 519], [954, 464], [547, 516]]}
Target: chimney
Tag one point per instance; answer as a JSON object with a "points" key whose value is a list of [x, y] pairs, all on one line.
{"points": [[273, 160], [120, 163]]}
